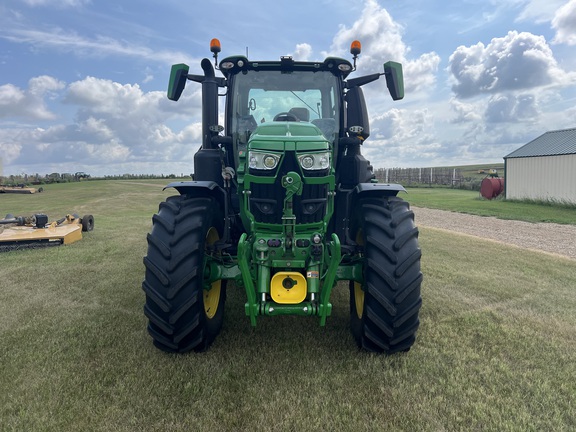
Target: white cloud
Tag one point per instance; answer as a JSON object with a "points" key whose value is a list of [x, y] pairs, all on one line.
{"points": [[564, 23], [29, 103], [513, 109], [514, 62], [10, 147], [498, 108], [379, 34], [97, 46], [57, 3], [303, 52], [39, 86], [10, 95], [137, 118], [465, 112], [115, 125], [381, 39], [539, 11], [401, 136]]}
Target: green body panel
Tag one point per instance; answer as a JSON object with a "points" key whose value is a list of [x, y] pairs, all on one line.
{"points": [[285, 139], [247, 278], [286, 246], [335, 256], [303, 309], [306, 135], [327, 270]]}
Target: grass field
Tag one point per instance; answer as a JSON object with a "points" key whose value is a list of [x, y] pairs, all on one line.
{"points": [[471, 202], [496, 349]]}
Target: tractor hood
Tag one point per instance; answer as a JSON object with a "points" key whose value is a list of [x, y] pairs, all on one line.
{"points": [[288, 136]]}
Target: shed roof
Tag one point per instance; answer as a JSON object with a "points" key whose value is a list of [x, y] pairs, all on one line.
{"points": [[552, 143]]}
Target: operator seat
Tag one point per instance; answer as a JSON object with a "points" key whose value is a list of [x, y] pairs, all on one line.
{"points": [[302, 113], [327, 126]]}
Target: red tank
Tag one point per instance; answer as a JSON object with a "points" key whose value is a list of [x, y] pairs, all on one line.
{"points": [[491, 187]]}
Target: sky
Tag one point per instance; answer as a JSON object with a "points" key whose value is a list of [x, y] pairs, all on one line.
{"points": [[83, 82]]}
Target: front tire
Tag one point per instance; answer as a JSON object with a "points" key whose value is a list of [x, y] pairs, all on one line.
{"points": [[384, 307], [184, 314]]}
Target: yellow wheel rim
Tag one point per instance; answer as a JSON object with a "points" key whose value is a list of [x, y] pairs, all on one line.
{"points": [[358, 291], [359, 299], [212, 296]]}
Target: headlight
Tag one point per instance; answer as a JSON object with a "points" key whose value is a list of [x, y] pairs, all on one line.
{"points": [[307, 161], [315, 161], [263, 161]]}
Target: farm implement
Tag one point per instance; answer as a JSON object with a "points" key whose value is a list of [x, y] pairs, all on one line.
{"points": [[24, 232], [19, 189]]}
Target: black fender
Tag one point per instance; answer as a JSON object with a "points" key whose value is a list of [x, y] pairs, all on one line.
{"points": [[200, 188], [373, 190], [347, 203], [381, 189], [207, 188]]}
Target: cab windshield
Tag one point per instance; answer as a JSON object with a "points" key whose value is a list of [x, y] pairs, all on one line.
{"points": [[265, 96]]}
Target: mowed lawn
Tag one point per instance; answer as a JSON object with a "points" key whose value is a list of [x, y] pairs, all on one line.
{"points": [[471, 202], [496, 349]]}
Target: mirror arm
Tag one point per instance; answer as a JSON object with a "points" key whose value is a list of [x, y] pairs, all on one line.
{"points": [[221, 82], [360, 81], [195, 78]]}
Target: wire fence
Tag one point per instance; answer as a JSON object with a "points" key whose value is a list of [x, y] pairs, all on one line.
{"points": [[421, 176]]}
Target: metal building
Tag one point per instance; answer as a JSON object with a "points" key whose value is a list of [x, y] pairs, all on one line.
{"points": [[543, 169]]}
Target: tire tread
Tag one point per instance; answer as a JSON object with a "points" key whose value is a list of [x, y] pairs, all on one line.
{"points": [[392, 276]]}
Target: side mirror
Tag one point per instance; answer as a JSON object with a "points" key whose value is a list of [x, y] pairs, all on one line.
{"points": [[178, 77], [394, 79]]}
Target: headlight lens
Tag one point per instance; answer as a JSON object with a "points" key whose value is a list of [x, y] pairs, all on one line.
{"points": [[263, 161], [270, 161], [307, 162], [316, 161]]}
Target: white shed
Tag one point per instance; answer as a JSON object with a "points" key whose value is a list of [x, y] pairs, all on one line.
{"points": [[543, 169]]}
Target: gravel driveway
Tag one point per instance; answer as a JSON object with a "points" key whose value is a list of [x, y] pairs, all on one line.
{"points": [[548, 237]]}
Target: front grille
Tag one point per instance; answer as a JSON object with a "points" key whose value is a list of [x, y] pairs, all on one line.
{"points": [[267, 200], [310, 207]]}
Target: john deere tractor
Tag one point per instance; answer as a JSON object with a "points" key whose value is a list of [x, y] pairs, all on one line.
{"points": [[284, 205]]}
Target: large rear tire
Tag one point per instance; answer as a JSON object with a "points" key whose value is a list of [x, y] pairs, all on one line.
{"points": [[384, 308], [183, 313]]}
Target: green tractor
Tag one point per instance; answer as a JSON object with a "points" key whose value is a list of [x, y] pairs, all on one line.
{"points": [[283, 204]]}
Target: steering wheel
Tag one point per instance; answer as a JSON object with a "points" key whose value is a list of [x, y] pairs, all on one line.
{"points": [[286, 116]]}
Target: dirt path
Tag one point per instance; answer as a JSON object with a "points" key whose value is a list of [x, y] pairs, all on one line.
{"points": [[548, 237]]}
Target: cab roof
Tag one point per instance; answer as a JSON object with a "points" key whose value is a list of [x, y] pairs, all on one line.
{"points": [[235, 64]]}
